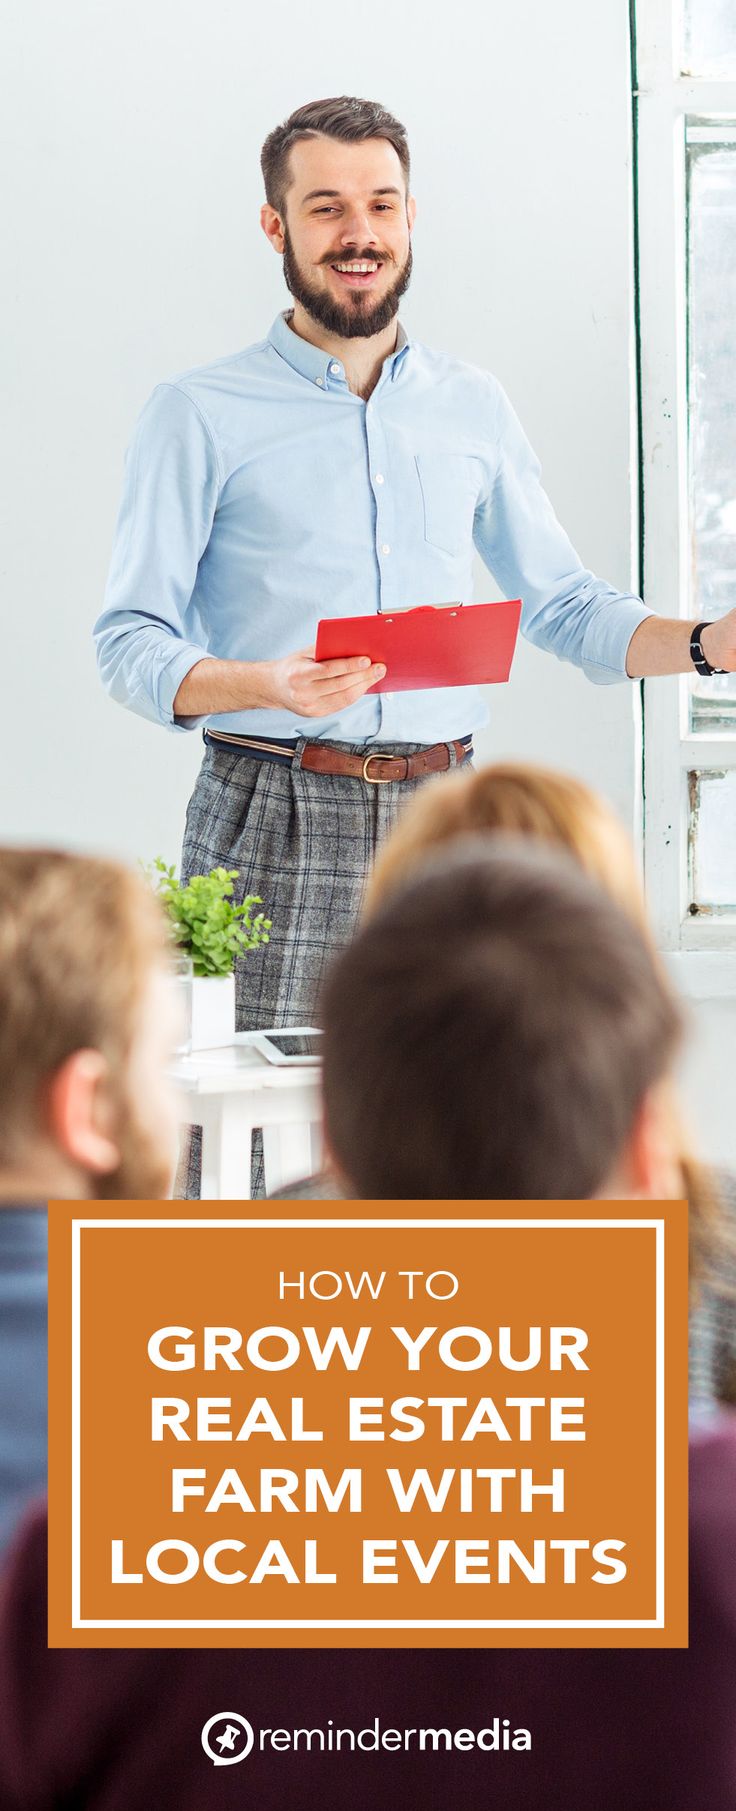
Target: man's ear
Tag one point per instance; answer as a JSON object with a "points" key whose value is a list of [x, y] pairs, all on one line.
{"points": [[272, 226], [650, 1164], [78, 1113], [411, 211]]}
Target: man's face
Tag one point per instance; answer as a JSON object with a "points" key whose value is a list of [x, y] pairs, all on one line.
{"points": [[345, 235], [143, 1103]]}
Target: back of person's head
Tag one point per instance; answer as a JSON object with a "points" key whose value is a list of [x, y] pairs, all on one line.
{"points": [[516, 797], [498, 1030], [86, 1025]]}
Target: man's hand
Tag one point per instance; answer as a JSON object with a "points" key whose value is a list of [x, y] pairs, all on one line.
{"points": [[298, 683], [718, 642], [317, 688]]}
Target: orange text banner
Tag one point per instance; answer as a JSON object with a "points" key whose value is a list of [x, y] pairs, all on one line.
{"points": [[368, 1424]]}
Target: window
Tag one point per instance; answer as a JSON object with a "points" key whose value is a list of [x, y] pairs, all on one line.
{"points": [[686, 143]]}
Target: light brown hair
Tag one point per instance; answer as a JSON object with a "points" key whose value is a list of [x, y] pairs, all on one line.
{"points": [[535, 801], [523, 798], [78, 940]]}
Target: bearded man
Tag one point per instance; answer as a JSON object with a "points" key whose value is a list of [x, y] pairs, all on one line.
{"points": [[336, 468], [88, 1023]]}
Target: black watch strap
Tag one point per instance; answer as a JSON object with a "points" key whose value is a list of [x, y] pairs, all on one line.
{"points": [[697, 656]]}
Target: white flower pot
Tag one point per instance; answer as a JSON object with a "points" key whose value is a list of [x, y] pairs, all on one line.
{"points": [[212, 1012]]}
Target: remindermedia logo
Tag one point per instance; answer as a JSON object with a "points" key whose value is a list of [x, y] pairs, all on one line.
{"points": [[228, 1737]]}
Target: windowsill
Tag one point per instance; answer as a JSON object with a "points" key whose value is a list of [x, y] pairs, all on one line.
{"points": [[703, 974]]}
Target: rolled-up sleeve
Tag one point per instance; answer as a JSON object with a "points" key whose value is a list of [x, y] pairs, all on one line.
{"points": [[566, 609], [146, 636]]}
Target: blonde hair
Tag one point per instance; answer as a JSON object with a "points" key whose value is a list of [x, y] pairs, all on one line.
{"points": [[534, 801], [78, 940], [537, 801]]}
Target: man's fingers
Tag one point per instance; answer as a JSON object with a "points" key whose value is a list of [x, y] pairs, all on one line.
{"points": [[365, 674], [332, 702], [339, 669], [319, 688], [334, 687]]}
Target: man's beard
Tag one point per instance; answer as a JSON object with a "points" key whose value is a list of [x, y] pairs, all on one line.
{"points": [[354, 318]]}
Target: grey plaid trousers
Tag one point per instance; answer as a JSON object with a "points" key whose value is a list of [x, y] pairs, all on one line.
{"points": [[304, 842]]}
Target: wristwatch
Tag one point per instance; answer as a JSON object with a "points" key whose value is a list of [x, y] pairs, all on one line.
{"points": [[697, 656]]}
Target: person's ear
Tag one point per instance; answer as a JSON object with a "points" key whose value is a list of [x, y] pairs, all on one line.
{"points": [[79, 1114], [411, 211], [272, 226], [650, 1164]]}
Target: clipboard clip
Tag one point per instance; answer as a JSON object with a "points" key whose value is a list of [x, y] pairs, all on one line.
{"points": [[421, 610]]}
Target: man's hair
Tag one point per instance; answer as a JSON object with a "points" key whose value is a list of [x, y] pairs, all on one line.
{"points": [[78, 941], [492, 1032], [342, 117]]}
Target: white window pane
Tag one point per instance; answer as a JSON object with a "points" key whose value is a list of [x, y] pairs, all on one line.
{"points": [[709, 37], [713, 841], [712, 401], [713, 704]]}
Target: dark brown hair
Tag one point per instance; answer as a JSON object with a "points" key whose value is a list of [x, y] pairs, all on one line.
{"points": [[492, 1032], [342, 117]]}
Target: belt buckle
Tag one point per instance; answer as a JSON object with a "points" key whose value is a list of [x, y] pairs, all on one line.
{"points": [[380, 779]]}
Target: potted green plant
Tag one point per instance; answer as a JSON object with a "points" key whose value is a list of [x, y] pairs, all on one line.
{"points": [[211, 934]]}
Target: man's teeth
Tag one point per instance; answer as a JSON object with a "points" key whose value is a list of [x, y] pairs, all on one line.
{"points": [[356, 267]]}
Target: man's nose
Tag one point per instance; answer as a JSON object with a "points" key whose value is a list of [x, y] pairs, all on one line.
{"points": [[358, 228]]}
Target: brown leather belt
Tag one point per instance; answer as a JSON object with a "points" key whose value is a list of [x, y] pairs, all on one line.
{"points": [[375, 768], [379, 769]]}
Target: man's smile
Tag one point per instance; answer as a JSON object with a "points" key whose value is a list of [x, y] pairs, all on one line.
{"points": [[351, 290], [357, 273]]}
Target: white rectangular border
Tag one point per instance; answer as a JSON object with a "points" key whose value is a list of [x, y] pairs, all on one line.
{"points": [[79, 1226]]}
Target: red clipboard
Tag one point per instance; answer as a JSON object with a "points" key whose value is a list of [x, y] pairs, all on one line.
{"points": [[436, 644]]}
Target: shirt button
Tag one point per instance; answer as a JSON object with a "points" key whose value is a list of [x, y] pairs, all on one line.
{"points": [[379, 477], [320, 381], [385, 547], [335, 369]]}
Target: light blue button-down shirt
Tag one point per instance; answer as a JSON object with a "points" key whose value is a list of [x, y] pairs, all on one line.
{"points": [[261, 494]]}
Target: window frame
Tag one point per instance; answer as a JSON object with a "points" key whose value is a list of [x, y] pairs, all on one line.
{"points": [[664, 100]]}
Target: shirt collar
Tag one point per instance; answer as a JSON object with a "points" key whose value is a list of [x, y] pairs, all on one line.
{"points": [[313, 362]]}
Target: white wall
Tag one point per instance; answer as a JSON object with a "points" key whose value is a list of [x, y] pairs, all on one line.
{"points": [[133, 234]]}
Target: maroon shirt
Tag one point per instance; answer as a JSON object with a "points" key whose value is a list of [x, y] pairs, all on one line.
{"points": [[618, 1729]]}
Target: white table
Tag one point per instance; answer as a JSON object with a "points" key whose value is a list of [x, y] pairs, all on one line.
{"points": [[235, 1091]]}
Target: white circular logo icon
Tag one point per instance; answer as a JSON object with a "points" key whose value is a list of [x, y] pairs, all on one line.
{"points": [[232, 1741]]}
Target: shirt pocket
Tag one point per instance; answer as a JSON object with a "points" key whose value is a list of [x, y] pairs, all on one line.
{"points": [[450, 485]]}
